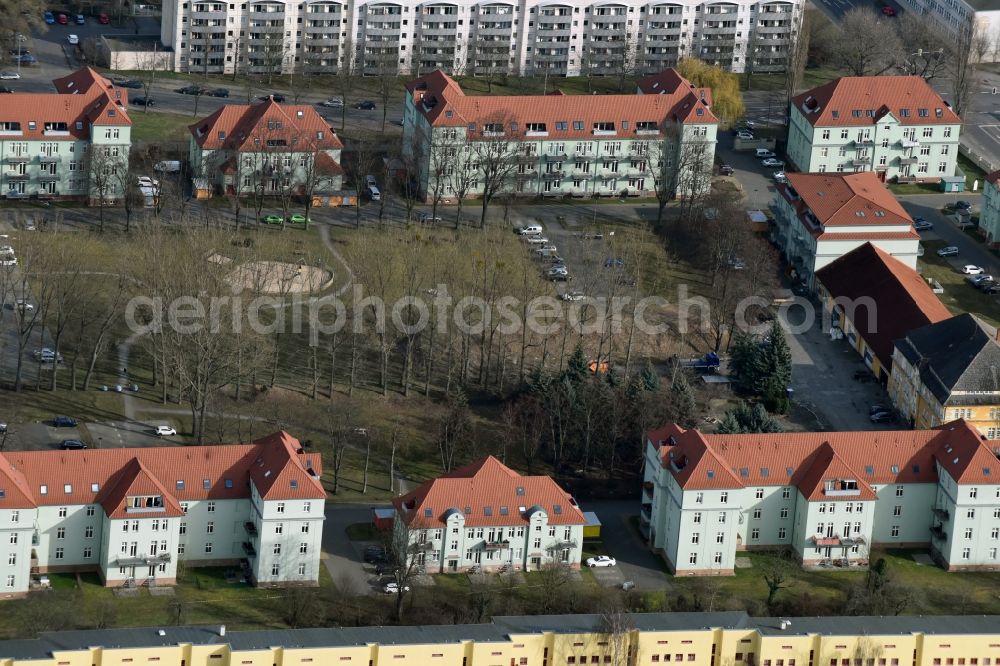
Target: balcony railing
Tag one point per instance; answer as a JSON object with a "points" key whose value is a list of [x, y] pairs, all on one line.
{"points": [[907, 160], [249, 549], [250, 528], [496, 545], [938, 533], [941, 514], [142, 560], [909, 143]]}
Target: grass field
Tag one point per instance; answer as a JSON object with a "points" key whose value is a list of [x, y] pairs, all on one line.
{"points": [[958, 295], [160, 126]]}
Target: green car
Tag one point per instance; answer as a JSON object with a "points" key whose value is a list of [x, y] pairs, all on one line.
{"points": [[273, 219], [299, 219]]}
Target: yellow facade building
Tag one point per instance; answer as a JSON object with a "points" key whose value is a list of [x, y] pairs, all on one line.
{"points": [[697, 639]]}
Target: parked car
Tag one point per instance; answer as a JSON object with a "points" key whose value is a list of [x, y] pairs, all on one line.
{"points": [[49, 18], [63, 422], [393, 588], [558, 270], [26, 59], [971, 269], [273, 219], [191, 90], [571, 296], [601, 561], [920, 224], [146, 181], [18, 51], [165, 431], [726, 170], [744, 135], [143, 101], [9, 76], [975, 279], [103, 19], [298, 218], [529, 230], [949, 251], [560, 277], [333, 102], [537, 240], [779, 177], [428, 218], [367, 105], [130, 83], [762, 153], [875, 409], [5, 89], [882, 417], [277, 97], [73, 40], [72, 445], [888, 11], [985, 286], [962, 205], [80, 19], [62, 19], [773, 163], [614, 263], [218, 92]]}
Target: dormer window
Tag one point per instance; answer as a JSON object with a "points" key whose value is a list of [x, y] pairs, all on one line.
{"points": [[31, 125], [222, 135]]}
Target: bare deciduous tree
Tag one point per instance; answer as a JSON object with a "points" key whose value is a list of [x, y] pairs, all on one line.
{"points": [[868, 47], [965, 61]]}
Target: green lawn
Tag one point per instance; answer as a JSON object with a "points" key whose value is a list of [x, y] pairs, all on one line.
{"points": [[971, 171], [958, 295], [914, 188], [160, 126], [810, 79]]}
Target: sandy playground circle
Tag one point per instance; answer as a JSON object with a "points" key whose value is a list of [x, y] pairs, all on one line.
{"points": [[276, 277]]}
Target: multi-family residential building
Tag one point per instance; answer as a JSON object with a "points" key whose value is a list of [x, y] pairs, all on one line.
{"points": [[540, 640], [895, 126], [529, 37], [487, 515], [558, 145], [989, 215], [827, 497], [267, 147], [948, 370], [820, 217], [72, 144], [954, 17], [874, 299], [131, 514]]}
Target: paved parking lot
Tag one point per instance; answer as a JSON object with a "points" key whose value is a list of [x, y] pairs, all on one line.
{"points": [[635, 562]]}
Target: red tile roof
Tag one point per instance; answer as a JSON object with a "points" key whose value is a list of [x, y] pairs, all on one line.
{"points": [[901, 300], [848, 199], [806, 459], [107, 476], [242, 126], [489, 494], [865, 100], [668, 82], [994, 178], [870, 236], [443, 103], [135, 480]]}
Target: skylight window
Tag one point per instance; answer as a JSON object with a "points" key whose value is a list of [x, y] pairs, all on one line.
{"points": [[986, 471], [788, 471], [520, 491], [206, 484], [180, 485], [487, 511], [764, 471], [835, 114], [294, 483], [504, 511], [557, 509], [916, 469], [711, 473], [94, 487], [43, 490], [895, 469], [578, 125], [3, 493], [428, 513], [869, 470], [744, 471], [68, 489], [468, 510], [229, 483]]}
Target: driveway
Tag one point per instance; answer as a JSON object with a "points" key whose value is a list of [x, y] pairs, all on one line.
{"points": [[635, 561], [970, 251], [343, 561]]}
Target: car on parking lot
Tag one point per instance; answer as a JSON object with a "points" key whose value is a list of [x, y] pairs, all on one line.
{"points": [[393, 588], [273, 219], [332, 102], [762, 153], [949, 251], [46, 355], [560, 277], [726, 170], [73, 39], [49, 18], [888, 11], [191, 90], [298, 218], [985, 285], [744, 136], [143, 101], [972, 269], [571, 296], [546, 250], [779, 177], [375, 554], [5, 89], [529, 230], [428, 218], [773, 163], [165, 431], [72, 445], [882, 417], [975, 279], [103, 19], [146, 181], [130, 83], [9, 76], [18, 51], [80, 19], [62, 19], [366, 105], [25, 59], [277, 97], [601, 561], [537, 240], [920, 224], [962, 205], [218, 92], [558, 270], [63, 422]]}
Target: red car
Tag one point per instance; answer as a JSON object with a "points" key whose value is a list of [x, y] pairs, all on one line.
{"points": [[888, 11], [103, 19], [62, 19]]}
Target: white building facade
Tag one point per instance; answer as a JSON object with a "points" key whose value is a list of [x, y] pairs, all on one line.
{"points": [[486, 515], [829, 498], [562, 38], [131, 515], [895, 126]]}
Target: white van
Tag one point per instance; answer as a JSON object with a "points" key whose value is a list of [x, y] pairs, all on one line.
{"points": [[374, 194], [530, 230]]}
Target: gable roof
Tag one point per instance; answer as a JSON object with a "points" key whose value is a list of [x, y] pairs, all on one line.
{"points": [[107, 476], [668, 82], [958, 354], [444, 104], [900, 299], [250, 127], [488, 493], [848, 199], [865, 100], [807, 459], [134, 479]]}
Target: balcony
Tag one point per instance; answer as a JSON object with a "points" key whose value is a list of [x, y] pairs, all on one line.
{"points": [[829, 540], [496, 545], [392, 31], [646, 513], [142, 560], [424, 545], [562, 545], [863, 141], [907, 160], [909, 143], [941, 514], [17, 176], [555, 157], [551, 175], [250, 528], [249, 549], [860, 162], [17, 158], [648, 489], [938, 533]]}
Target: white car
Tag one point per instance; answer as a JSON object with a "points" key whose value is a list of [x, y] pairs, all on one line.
{"points": [[393, 588], [779, 177], [538, 240], [165, 431], [7, 76], [73, 39], [762, 153], [969, 269], [773, 163], [572, 296], [744, 136], [146, 181], [601, 561], [547, 249]]}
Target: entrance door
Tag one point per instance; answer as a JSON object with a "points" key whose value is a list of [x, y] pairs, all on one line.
{"points": [[536, 563], [453, 565]]}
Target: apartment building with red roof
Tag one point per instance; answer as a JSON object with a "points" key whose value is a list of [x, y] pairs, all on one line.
{"points": [[874, 299], [130, 515], [67, 145], [277, 149], [827, 497], [559, 145], [820, 217], [487, 515], [897, 127]]}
